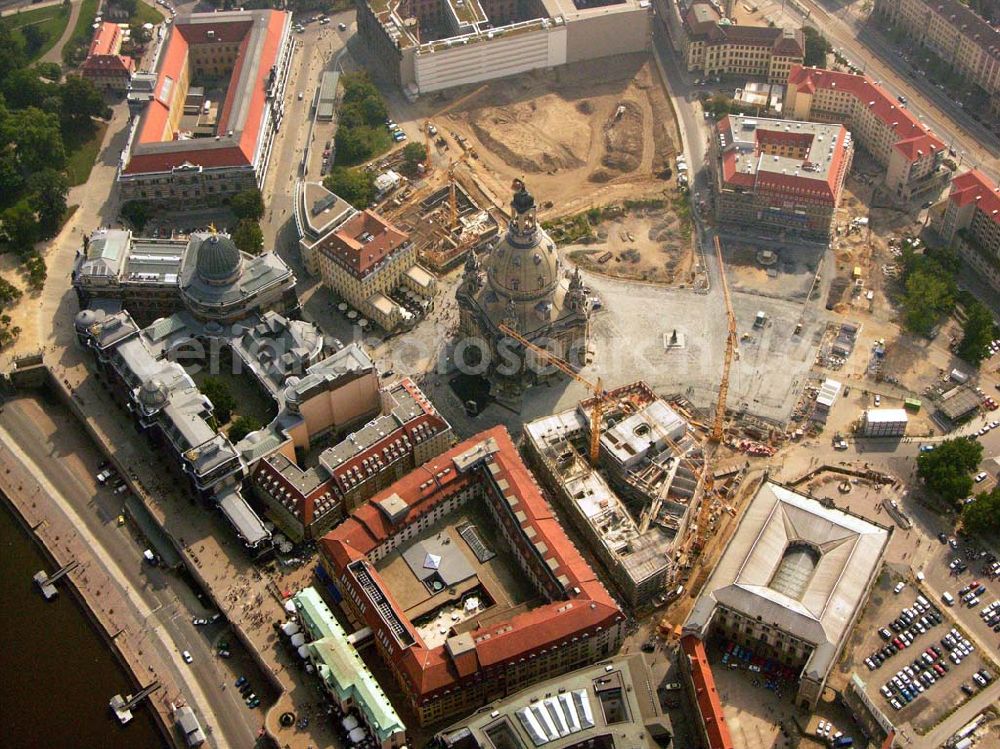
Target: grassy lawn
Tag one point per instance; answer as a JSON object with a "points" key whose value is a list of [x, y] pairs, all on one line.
{"points": [[51, 21], [146, 14], [82, 31], [83, 149]]}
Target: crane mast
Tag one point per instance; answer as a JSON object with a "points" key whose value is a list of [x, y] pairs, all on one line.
{"points": [[720, 407], [600, 394]]}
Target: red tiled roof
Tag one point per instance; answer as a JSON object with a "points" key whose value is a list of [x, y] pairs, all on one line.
{"points": [[975, 187], [913, 139], [107, 40], [359, 256], [804, 185], [706, 694], [430, 670], [154, 127], [108, 65]]}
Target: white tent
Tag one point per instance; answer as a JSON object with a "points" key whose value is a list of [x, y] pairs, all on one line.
{"points": [[350, 723], [290, 628], [357, 735], [298, 639], [303, 652]]}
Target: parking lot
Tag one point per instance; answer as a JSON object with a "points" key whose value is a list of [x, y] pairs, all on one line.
{"points": [[917, 663]]}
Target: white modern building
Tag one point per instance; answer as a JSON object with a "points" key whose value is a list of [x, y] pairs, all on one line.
{"points": [[884, 422], [792, 583]]}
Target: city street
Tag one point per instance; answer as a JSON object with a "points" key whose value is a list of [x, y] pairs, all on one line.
{"points": [[166, 604], [858, 42]]}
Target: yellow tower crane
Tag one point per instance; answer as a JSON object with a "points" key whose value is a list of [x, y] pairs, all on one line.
{"points": [[720, 407], [600, 394]]}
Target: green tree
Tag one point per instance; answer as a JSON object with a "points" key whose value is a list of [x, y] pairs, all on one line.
{"points": [[413, 154], [34, 39], [20, 227], [927, 298], [217, 391], [817, 47], [248, 204], [11, 180], [355, 186], [242, 426], [12, 55], [34, 266], [80, 101], [353, 144], [977, 332], [248, 236], [50, 71], [9, 293], [23, 88], [137, 213], [129, 6], [983, 515], [36, 139], [946, 469], [47, 196]]}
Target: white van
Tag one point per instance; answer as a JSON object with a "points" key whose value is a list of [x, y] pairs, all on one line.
{"points": [[948, 598], [920, 599], [899, 587]]}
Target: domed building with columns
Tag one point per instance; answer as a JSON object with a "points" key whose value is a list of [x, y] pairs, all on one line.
{"points": [[522, 285], [204, 274]]}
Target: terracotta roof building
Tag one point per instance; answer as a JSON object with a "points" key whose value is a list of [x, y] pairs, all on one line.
{"points": [[956, 33], [781, 175], [305, 503], [453, 637], [715, 46], [700, 684], [910, 153], [104, 67], [372, 265], [193, 153], [971, 221]]}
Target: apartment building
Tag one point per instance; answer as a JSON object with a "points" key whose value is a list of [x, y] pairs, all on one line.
{"points": [[406, 432], [456, 642], [954, 32], [183, 153], [368, 261], [715, 46], [971, 223], [780, 175], [908, 151], [105, 67]]}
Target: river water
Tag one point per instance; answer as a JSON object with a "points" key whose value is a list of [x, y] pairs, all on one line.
{"points": [[56, 672]]}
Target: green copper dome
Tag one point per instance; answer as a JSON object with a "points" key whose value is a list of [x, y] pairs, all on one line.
{"points": [[219, 260]]}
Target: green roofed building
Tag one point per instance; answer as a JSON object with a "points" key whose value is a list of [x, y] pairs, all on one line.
{"points": [[344, 673]]}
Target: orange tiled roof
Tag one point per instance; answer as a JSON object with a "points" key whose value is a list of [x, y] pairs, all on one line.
{"points": [[155, 127], [975, 187], [586, 607], [359, 255], [107, 40], [913, 139], [706, 695]]}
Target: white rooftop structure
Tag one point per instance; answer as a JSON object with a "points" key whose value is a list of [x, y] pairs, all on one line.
{"points": [[886, 415], [799, 566], [828, 393]]}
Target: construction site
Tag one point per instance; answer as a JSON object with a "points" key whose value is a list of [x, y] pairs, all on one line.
{"points": [[589, 134]]}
